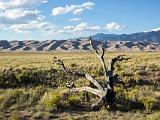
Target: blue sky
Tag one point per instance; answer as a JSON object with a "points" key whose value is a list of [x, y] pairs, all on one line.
{"points": [[63, 19]]}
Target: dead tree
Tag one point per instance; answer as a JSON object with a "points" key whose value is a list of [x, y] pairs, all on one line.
{"points": [[105, 92]]}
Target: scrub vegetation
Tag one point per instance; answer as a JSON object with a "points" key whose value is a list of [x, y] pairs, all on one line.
{"points": [[32, 86]]}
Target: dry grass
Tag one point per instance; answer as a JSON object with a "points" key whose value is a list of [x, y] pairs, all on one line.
{"points": [[142, 66], [44, 60]]}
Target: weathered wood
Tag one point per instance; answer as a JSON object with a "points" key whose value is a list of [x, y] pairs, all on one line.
{"points": [[101, 58], [88, 89], [106, 93], [91, 79], [112, 63], [75, 73]]}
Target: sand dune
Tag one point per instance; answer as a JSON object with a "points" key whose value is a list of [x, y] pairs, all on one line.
{"points": [[74, 45]]}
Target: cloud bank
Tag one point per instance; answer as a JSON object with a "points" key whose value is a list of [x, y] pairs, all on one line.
{"points": [[113, 26], [74, 9]]}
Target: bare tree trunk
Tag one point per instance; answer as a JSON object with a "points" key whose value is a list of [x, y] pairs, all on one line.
{"points": [[106, 94]]}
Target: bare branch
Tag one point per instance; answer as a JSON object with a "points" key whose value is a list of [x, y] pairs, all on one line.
{"points": [[96, 51], [101, 58], [90, 78], [106, 93], [75, 73], [113, 61], [60, 63], [103, 51], [88, 89]]}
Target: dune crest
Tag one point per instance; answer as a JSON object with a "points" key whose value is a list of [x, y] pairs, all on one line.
{"points": [[75, 45]]}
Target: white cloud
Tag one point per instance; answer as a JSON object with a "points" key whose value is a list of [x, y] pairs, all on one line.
{"points": [[23, 28], [74, 30], [75, 9], [78, 11], [114, 26], [33, 25], [68, 27], [75, 19], [12, 4], [46, 26], [81, 27], [49, 29], [2, 26], [156, 29], [14, 12], [18, 16], [88, 5], [44, 1]]}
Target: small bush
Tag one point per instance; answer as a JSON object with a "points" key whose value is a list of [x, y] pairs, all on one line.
{"points": [[2, 98], [11, 98], [149, 102], [26, 77], [132, 94], [144, 95], [50, 100], [97, 71], [73, 100], [35, 95]]}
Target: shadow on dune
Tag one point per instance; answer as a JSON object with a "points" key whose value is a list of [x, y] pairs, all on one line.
{"points": [[26, 48], [44, 44], [56, 44], [17, 45], [76, 44], [4, 44]]}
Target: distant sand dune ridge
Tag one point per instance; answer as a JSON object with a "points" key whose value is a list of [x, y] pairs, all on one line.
{"points": [[75, 45]]}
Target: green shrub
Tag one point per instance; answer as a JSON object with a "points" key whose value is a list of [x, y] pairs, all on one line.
{"points": [[35, 95], [132, 94], [120, 92], [11, 98], [73, 100], [144, 95], [149, 102], [51, 100], [2, 98], [26, 77]]}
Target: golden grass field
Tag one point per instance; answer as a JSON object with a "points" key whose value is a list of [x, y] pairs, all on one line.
{"points": [[43, 60], [34, 103]]}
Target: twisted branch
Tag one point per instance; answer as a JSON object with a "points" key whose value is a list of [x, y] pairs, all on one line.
{"points": [[75, 73], [107, 93], [101, 58], [88, 89]]}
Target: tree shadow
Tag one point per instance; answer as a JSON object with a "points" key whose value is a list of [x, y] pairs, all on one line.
{"points": [[125, 105]]}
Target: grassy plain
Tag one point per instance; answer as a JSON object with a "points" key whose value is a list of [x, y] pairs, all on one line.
{"points": [[44, 59], [20, 99]]}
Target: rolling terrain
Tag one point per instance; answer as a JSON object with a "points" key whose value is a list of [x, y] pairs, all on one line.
{"points": [[142, 41], [75, 45]]}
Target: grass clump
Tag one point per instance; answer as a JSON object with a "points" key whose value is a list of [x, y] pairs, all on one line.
{"points": [[11, 98], [144, 95], [73, 100], [148, 97], [35, 95], [50, 101], [148, 102]]}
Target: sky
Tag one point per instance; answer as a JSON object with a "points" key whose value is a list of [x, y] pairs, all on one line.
{"points": [[63, 19]]}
